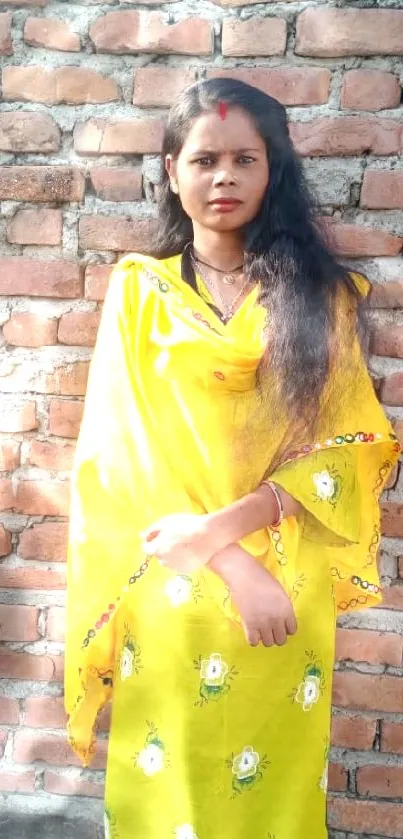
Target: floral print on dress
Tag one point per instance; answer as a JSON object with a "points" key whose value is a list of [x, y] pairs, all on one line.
{"points": [[327, 485], [181, 589], [152, 758], [215, 677], [246, 769], [185, 831], [109, 825], [130, 657], [323, 780], [312, 686]]}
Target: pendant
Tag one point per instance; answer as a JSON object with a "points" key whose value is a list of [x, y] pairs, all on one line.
{"points": [[228, 279]]}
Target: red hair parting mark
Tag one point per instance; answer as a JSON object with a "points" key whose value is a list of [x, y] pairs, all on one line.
{"points": [[222, 110]]}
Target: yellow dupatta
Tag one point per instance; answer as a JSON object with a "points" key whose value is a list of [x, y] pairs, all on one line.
{"points": [[174, 422]]}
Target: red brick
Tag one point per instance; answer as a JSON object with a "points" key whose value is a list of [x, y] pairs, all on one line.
{"points": [[338, 777], [18, 623], [9, 455], [17, 781], [45, 712], [392, 519], [387, 340], [382, 190], [336, 32], [363, 817], [69, 380], [156, 87], [116, 184], [255, 36], [131, 136], [42, 668], [367, 693], [398, 428], [58, 86], [235, 3], [392, 737], [370, 646], [31, 578], [96, 281], [346, 135], [26, 131], [50, 34], [18, 417], [5, 541], [60, 785], [28, 330], [51, 748], [65, 417], [134, 32], [56, 623], [387, 295], [350, 732], [370, 90], [28, 277], [79, 328], [35, 227], [41, 183], [357, 240], [6, 494], [6, 44], [46, 542], [290, 85], [401, 567], [9, 711], [381, 781], [391, 390], [42, 498], [48, 455], [114, 233], [393, 597]]}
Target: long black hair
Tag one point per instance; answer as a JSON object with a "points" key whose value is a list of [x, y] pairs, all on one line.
{"points": [[285, 251]]}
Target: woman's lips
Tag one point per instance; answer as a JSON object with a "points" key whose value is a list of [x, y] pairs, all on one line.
{"points": [[225, 204]]}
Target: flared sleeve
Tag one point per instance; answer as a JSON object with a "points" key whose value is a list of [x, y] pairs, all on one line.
{"points": [[338, 480]]}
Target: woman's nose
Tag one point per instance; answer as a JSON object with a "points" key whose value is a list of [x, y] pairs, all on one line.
{"points": [[224, 176]]}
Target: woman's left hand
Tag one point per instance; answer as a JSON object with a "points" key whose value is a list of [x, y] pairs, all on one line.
{"points": [[182, 541]]}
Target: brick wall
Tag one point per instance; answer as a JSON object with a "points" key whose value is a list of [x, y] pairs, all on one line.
{"points": [[84, 91]]}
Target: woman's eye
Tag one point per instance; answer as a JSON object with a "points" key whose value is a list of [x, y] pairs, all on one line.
{"points": [[244, 158], [204, 161]]}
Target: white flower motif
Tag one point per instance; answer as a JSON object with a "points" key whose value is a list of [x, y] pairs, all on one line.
{"points": [[324, 779], [245, 765], [126, 663], [179, 590], [213, 670], [185, 831], [324, 483], [308, 692], [106, 827], [151, 759]]}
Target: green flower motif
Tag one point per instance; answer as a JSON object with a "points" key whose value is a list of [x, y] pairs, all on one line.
{"points": [[246, 769], [312, 686], [328, 485], [215, 677]]}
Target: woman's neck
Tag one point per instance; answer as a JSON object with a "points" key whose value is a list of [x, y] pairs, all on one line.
{"points": [[222, 250]]}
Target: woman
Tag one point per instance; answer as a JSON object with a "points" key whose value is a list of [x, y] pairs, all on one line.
{"points": [[225, 493]]}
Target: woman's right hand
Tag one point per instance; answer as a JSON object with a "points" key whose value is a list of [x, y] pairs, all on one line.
{"points": [[265, 609]]}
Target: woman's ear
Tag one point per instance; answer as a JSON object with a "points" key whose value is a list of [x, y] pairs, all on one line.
{"points": [[170, 166]]}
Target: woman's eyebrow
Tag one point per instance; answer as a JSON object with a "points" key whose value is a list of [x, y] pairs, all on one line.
{"points": [[215, 151]]}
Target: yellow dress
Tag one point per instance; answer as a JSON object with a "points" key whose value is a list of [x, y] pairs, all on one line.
{"points": [[210, 738]]}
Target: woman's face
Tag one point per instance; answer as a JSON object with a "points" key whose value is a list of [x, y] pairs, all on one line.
{"points": [[223, 159]]}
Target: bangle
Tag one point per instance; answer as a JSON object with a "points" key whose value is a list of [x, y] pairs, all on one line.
{"points": [[277, 497]]}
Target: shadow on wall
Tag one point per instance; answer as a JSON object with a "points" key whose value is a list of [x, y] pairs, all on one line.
{"points": [[30, 826]]}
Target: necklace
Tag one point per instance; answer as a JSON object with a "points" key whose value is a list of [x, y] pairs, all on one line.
{"points": [[228, 278], [227, 310]]}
